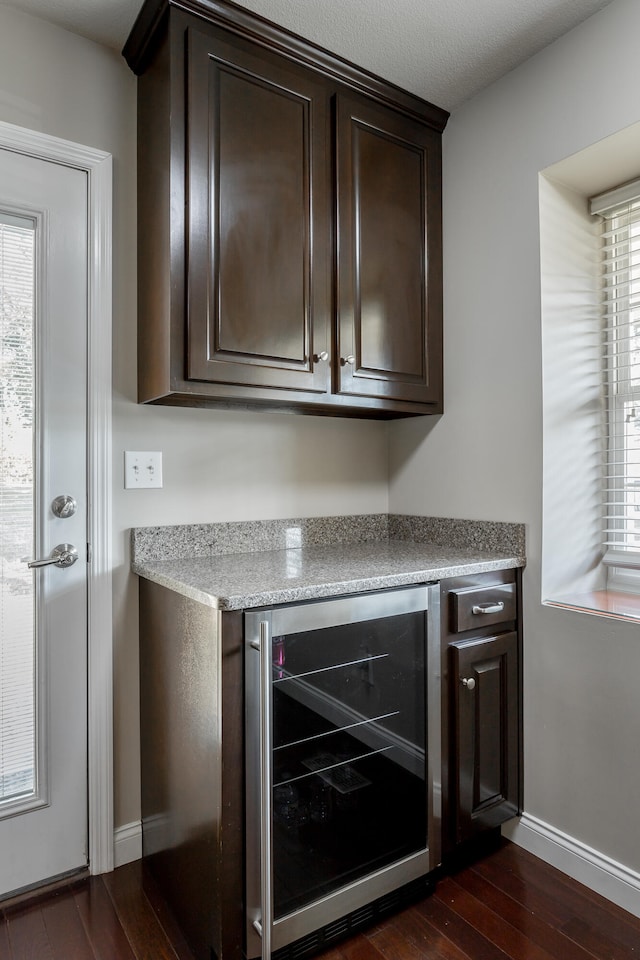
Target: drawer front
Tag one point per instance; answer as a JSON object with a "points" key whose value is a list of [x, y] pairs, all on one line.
{"points": [[473, 607]]}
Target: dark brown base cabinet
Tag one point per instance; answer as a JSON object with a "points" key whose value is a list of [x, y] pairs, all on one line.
{"points": [[193, 743], [290, 222], [482, 704], [192, 750]]}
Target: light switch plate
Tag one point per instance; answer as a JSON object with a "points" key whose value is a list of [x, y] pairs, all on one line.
{"points": [[142, 469]]}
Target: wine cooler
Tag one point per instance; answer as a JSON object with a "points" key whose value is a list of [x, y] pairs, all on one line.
{"points": [[342, 759]]}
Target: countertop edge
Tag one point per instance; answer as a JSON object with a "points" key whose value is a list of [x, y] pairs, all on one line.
{"points": [[230, 601]]}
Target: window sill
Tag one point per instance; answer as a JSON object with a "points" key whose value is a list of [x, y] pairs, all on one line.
{"points": [[602, 603]]}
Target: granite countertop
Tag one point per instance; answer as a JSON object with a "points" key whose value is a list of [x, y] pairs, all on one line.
{"points": [[261, 576]]}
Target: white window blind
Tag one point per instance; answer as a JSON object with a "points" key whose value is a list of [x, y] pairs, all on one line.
{"points": [[620, 212]]}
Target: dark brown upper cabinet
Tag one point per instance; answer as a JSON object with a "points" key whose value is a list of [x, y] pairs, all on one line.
{"points": [[289, 225], [258, 176], [389, 318]]}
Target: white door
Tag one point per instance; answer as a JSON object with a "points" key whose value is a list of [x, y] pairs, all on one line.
{"points": [[43, 610]]}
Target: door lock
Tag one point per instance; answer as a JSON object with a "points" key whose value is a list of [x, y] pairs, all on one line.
{"points": [[64, 506]]}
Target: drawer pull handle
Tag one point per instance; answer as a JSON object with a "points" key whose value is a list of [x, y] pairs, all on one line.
{"points": [[488, 607], [469, 683]]}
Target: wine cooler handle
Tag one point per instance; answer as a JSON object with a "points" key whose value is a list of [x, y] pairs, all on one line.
{"points": [[264, 928]]}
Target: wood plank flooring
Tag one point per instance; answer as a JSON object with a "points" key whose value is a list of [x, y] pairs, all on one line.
{"points": [[506, 906]]}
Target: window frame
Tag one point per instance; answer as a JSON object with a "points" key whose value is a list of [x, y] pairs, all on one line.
{"points": [[619, 210]]}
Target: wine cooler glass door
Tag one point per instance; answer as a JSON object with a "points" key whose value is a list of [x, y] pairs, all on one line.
{"points": [[345, 783]]}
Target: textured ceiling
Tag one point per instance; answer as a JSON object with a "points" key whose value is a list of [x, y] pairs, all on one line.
{"points": [[442, 50]]}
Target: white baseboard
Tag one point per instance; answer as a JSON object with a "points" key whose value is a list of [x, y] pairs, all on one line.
{"points": [[610, 879], [127, 843]]}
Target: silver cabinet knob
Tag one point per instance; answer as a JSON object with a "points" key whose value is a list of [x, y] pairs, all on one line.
{"points": [[348, 360], [321, 357], [64, 506], [64, 555], [468, 682]]}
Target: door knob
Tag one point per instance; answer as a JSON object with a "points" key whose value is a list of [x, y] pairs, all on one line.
{"points": [[64, 555], [468, 682], [348, 360], [321, 357]]}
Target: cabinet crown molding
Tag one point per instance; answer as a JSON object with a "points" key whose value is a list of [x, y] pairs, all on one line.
{"points": [[223, 13]]}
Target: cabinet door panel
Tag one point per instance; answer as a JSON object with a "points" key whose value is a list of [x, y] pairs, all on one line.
{"points": [[486, 715], [258, 270], [389, 290]]}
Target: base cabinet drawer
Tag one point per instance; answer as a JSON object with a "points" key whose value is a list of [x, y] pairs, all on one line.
{"points": [[485, 714], [480, 606]]}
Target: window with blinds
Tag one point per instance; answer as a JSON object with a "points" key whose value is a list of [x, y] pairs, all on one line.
{"points": [[620, 212]]}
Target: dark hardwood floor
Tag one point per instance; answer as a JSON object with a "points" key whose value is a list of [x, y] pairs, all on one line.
{"points": [[508, 904]]}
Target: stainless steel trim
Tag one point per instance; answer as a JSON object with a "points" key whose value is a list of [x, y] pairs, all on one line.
{"points": [[297, 618], [351, 897], [266, 892], [488, 607], [253, 929], [434, 724]]}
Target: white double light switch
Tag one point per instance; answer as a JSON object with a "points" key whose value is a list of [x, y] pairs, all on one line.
{"points": [[142, 469]]}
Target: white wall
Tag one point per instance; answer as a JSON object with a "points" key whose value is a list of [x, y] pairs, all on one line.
{"points": [[483, 459], [217, 465]]}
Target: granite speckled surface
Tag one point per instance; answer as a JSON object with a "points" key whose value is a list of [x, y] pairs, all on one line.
{"points": [[468, 534], [258, 563]]}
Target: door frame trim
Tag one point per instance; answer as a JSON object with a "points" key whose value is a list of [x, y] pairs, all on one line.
{"points": [[99, 169]]}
